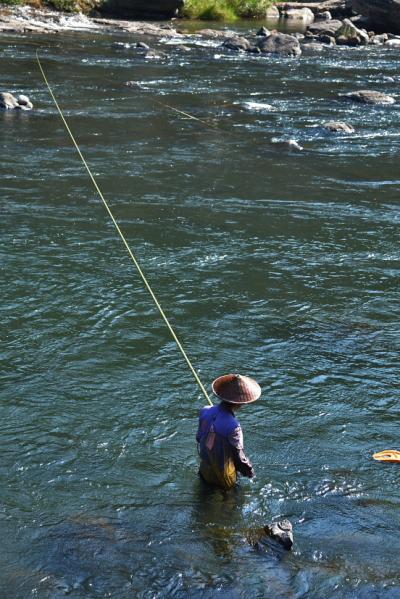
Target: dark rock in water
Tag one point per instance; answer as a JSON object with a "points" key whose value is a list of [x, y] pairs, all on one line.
{"points": [[263, 32], [10, 102], [281, 532], [384, 15], [369, 97], [338, 127], [327, 39], [325, 27], [237, 44], [280, 43]]}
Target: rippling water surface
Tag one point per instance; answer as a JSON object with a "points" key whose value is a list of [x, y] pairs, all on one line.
{"points": [[281, 265]]}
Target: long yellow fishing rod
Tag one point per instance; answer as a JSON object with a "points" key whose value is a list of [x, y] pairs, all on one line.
{"points": [[136, 263]]}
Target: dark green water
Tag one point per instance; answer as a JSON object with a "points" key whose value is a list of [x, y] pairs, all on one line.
{"points": [[280, 265]]}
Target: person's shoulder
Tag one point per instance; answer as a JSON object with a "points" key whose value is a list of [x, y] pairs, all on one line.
{"points": [[206, 410]]}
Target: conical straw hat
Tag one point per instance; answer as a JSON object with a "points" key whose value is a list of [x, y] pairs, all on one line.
{"points": [[236, 389]]}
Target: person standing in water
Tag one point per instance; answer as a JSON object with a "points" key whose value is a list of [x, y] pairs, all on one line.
{"points": [[220, 437]]}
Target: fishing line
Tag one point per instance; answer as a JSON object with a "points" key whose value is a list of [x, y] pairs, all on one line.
{"points": [[135, 261]]}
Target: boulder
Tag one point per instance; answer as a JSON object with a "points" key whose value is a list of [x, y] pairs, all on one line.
{"points": [[237, 44], [369, 97], [325, 27], [350, 35], [298, 14], [280, 43], [338, 127], [384, 15]]}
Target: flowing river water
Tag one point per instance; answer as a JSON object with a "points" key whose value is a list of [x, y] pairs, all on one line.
{"points": [[279, 264]]}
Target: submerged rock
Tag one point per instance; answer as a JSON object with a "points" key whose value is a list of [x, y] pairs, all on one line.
{"points": [[338, 127], [280, 43], [369, 97]]}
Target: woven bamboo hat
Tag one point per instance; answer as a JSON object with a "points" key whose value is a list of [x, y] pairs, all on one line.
{"points": [[236, 389]]}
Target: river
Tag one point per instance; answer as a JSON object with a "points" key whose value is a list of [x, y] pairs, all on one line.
{"points": [[282, 265]]}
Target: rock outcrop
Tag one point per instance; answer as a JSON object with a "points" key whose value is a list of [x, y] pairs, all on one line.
{"points": [[383, 15]]}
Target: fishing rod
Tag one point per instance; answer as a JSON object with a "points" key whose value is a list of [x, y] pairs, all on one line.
{"points": [[131, 254]]}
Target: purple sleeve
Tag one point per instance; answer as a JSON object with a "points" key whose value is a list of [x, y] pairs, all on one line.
{"points": [[242, 463]]}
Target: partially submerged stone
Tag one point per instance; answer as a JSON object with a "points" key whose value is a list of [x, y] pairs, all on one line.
{"points": [[237, 44], [281, 532], [369, 97], [10, 102], [338, 127], [280, 43]]}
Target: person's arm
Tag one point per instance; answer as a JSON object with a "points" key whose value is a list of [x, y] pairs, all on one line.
{"points": [[242, 462]]}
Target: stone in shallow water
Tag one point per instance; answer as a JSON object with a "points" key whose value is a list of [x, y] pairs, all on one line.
{"points": [[281, 532], [280, 43], [338, 127], [8, 101], [237, 44], [369, 97]]}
